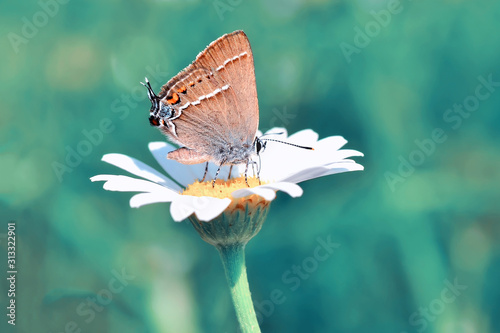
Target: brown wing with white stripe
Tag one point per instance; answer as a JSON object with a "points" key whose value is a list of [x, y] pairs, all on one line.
{"points": [[200, 102], [214, 98], [230, 58]]}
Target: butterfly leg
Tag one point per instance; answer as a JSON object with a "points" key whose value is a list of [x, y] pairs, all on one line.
{"points": [[258, 175], [216, 174], [246, 173], [205, 174], [230, 170]]}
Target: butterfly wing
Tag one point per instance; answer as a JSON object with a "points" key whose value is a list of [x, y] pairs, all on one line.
{"points": [[230, 58], [214, 99]]}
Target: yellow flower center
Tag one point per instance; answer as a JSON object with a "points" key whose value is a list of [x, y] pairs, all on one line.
{"points": [[222, 188]]}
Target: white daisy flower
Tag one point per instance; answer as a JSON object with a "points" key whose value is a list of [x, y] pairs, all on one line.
{"points": [[282, 168]]}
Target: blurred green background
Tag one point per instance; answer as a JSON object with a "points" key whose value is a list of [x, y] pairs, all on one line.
{"points": [[414, 85]]}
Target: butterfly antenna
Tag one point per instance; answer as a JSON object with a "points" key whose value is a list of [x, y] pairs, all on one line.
{"points": [[279, 133], [290, 144], [151, 94], [147, 84]]}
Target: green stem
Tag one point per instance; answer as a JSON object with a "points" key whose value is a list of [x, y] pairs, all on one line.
{"points": [[233, 258]]}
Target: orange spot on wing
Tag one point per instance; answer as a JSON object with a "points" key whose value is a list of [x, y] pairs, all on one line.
{"points": [[182, 90], [173, 99], [191, 84]]}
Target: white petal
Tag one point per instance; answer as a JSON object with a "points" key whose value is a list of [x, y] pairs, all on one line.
{"points": [[180, 210], [182, 173], [291, 189], [344, 166], [343, 153], [320, 171], [214, 208], [143, 199], [268, 191], [280, 160], [305, 137], [283, 132], [205, 208], [287, 163], [140, 169], [322, 157], [331, 143], [306, 174], [129, 184]]}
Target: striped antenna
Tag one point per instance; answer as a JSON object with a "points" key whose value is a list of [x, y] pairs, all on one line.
{"points": [[288, 143]]}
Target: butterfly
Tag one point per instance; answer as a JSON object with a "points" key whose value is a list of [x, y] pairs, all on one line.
{"points": [[210, 108]]}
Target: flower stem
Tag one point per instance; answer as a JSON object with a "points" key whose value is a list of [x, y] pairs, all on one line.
{"points": [[233, 259]]}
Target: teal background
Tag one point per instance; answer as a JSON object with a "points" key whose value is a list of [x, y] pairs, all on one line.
{"points": [[405, 232]]}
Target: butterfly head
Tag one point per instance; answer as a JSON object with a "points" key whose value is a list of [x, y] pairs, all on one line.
{"points": [[159, 112]]}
